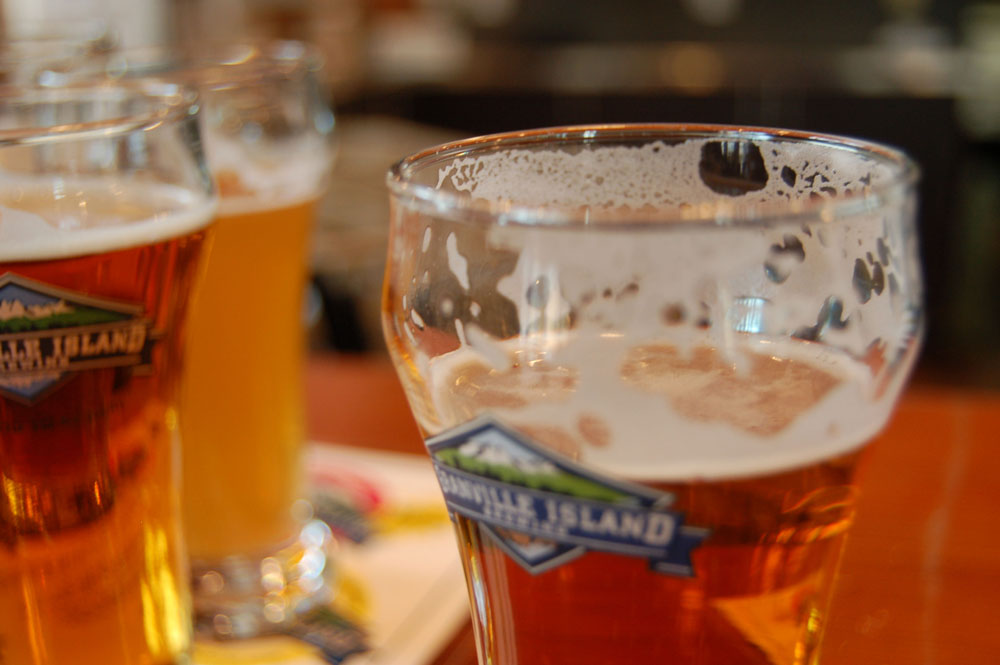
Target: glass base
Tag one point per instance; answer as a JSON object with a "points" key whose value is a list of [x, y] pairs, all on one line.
{"points": [[241, 597]]}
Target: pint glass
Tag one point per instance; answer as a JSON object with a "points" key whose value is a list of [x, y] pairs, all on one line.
{"points": [[104, 204], [256, 556], [647, 361], [51, 58]]}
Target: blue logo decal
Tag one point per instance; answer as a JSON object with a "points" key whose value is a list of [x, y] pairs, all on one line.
{"points": [[47, 334], [545, 510]]}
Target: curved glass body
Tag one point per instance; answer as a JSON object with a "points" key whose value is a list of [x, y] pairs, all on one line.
{"points": [[648, 361], [265, 127], [265, 132], [105, 202]]}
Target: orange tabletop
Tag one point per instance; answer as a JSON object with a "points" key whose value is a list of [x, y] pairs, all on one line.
{"points": [[920, 582]]}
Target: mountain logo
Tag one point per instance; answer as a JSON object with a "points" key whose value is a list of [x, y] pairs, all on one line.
{"points": [[544, 510], [47, 334]]}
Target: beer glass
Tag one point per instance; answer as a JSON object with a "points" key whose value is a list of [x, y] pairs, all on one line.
{"points": [[51, 58], [256, 554], [647, 361], [104, 204]]}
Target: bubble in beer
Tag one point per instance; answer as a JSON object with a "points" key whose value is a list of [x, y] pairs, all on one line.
{"points": [[629, 289], [673, 314]]}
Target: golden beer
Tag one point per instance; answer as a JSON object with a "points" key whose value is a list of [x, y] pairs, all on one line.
{"points": [[264, 130], [242, 419], [92, 570]]}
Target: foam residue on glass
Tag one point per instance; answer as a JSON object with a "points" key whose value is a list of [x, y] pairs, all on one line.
{"points": [[684, 176], [675, 350]]}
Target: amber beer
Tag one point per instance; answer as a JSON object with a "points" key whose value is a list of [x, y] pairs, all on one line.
{"points": [[92, 570], [761, 590], [761, 579], [242, 399]]}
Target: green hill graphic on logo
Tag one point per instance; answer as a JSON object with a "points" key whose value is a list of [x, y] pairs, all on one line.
{"points": [[78, 316], [558, 481]]}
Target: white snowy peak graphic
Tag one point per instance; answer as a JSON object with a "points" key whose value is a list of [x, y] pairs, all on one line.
{"points": [[14, 309], [492, 454]]}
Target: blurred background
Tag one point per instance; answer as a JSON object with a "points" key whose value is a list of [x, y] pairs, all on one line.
{"points": [[923, 75]]}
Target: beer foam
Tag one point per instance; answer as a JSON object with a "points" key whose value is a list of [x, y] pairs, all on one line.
{"points": [[271, 175], [653, 412], [661, 175], [780, 342], [773, 278], [59, 218]]}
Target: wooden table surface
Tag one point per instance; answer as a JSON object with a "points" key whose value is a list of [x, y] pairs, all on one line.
{"points": [[920, 581]]}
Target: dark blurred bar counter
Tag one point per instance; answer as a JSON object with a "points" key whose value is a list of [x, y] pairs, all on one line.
{"points": [[939, 103]]}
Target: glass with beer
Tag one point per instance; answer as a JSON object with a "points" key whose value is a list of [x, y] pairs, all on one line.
{"points": [[104, 204], [51, 57], [256, 554], [647, 361]]}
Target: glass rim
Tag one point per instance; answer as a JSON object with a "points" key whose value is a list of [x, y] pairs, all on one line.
{"points": [[169, 102], [53, 39], [460, 207], [242, 64]]}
